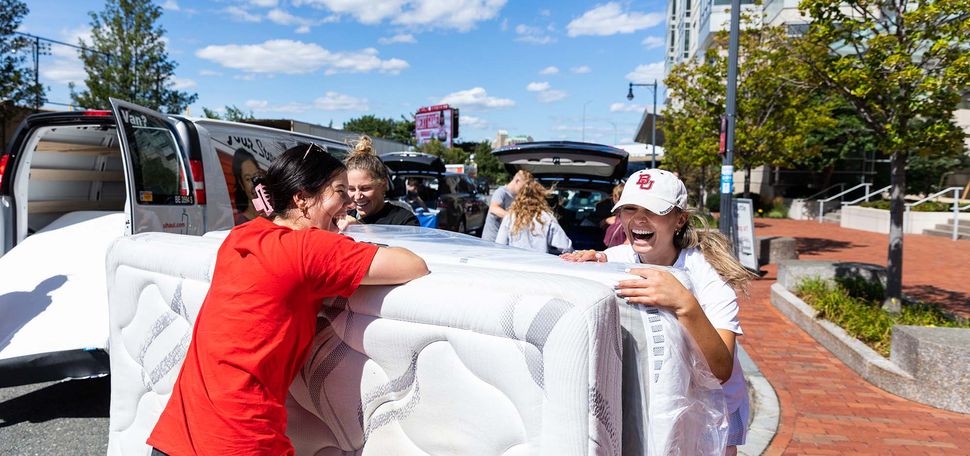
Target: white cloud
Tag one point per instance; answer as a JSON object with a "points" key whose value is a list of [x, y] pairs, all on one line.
{"points": [[303, 29], [549, 70], [461, 15], [333, 101], [265, 106], [473, 122], [281, 17], [537, 86], [240, 14], [476, 97], [209, 73], [532, 35], [545, 13], [65, 66], [653, 42], [609, 19], [625, 107], [505, 25], [177, 83], [170, 5], [646, 73], [399, 38], [264, 3], [297, 57], [581, 69], [551, 95]]}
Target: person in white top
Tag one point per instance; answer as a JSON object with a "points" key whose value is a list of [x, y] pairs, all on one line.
{"points": [[653, 211], [530, 223]]}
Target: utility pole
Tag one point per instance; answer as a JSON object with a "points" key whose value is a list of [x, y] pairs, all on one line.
{"points": [[726, 222]]}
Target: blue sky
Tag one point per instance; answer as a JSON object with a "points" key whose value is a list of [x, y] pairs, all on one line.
{"points": [[522, 66]]}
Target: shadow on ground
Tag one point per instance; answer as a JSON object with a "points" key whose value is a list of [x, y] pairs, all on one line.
{"points": [[809, 246], [953, 301], [89, 398]]}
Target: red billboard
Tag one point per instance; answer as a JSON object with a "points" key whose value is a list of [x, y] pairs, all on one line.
{"points": [[439, 122]]}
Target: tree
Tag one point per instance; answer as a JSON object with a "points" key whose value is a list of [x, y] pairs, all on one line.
{"points": [[233, 113], [775, 107], [376, 127], [127, 59], [17, 86], [902, 66], [489, 167], [449, 155]]}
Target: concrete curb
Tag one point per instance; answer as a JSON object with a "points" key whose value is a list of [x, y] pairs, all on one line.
{"points": [[765, 410]]}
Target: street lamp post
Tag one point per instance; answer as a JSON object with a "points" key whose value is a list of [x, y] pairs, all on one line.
{"points": [[727, 222], [584, 118], [653, 120]]}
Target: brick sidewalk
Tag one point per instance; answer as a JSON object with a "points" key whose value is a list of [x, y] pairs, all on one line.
{"points": [[935, 269], [826, 408]]}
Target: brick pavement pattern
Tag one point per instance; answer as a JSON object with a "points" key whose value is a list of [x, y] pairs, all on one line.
{"points": [[826, 408]]}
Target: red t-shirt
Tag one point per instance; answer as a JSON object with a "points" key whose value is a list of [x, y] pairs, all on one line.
{"points": [[252, 336]]}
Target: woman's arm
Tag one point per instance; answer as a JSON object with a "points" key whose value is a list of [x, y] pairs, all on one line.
{"points": [[503, 232], [661, 289], [394, 265], [496, 208]]}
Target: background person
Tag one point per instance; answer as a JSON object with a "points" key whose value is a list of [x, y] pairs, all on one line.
{"points": [[258, 319], [367, 183], [654, 216], [530, 223], [244, 169], [613, 230], [501, 200], [415, 187]]}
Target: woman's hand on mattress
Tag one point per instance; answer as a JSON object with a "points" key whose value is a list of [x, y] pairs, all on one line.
{"points": [[658, 288], [580, 256]]}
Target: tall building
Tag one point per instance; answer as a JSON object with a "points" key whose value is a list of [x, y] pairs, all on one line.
{"points": [[691, 26], [502, 138]]}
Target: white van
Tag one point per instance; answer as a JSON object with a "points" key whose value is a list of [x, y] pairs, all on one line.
{"points": [[71, 182]]}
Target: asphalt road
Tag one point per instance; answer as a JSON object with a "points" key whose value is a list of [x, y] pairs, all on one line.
{"points": [[55, 418]]}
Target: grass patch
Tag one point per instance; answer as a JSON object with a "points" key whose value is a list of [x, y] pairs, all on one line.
{"points": [[856, 306]]}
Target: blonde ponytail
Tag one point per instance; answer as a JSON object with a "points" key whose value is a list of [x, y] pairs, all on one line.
{"points": [[716, 250], [362, 157]]}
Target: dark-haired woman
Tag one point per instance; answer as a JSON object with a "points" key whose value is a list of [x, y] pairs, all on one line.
{"points": [[259, 317], [244, 169], [367, 183]]}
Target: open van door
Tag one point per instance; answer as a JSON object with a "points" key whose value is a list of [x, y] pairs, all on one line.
{"points": [[161, 196]]}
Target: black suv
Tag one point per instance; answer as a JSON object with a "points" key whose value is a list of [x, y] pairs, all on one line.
{"points": [[459, 204]]}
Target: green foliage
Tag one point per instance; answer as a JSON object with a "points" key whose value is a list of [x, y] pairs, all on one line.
{"points": [[126, 59], [376, 127], [929, 206], [489, 167], [855, 305], [924, 174], [233, 113], [16, 77]]}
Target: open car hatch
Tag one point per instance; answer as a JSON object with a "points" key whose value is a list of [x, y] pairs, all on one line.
{"points": [[565, 159]]}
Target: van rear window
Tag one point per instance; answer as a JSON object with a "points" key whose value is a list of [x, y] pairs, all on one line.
{"points": [[159, 168]]}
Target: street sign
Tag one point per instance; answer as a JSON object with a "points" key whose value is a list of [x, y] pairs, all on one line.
{"points": [[744, 227]]}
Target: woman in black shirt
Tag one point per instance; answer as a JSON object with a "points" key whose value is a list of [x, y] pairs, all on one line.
{"points": [[367, 184]]}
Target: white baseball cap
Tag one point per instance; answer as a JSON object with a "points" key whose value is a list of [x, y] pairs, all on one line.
{"points": [[655, 190]]}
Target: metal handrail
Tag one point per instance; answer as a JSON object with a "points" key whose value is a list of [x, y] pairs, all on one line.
{"points": [[956, 207], [842, 185], [821, 203], [867, 195]]}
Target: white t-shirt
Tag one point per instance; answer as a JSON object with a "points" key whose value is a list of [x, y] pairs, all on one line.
{"points": [[546, 236], [717, 299]]}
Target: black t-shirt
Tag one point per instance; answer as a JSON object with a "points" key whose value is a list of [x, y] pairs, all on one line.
{"points": [[391, 214]]}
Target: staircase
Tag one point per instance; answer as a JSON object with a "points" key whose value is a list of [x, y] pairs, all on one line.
{"points": [[946, 230], [834, 217]]}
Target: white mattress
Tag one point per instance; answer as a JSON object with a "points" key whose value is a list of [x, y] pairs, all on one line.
{"points": [[52, 295], [483, 356]]}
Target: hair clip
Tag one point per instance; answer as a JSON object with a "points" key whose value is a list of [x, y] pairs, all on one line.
{"points": [[308, 148], [262, 201]]}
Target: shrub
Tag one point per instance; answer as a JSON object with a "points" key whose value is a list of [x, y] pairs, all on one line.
{"points": [[929, 206], [856, 306]]}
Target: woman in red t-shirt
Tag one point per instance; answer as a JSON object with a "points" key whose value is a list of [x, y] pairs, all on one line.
{"points": [[259, 317]]}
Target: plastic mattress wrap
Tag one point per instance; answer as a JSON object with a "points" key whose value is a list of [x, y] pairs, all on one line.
{"points": [[498, 351]]}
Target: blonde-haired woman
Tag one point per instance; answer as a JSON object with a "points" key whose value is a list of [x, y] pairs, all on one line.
{"points": [[367, 181], [530, 223], [653, 212]]}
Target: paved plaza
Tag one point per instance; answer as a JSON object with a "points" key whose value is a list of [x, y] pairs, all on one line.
{"points": [[826, 408]]}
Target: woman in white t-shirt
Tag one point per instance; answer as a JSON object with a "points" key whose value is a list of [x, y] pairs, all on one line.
{"points": [[653, 211], [530, 223]]}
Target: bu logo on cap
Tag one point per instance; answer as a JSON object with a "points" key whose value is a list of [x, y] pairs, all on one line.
{"points": [[644, 182]]}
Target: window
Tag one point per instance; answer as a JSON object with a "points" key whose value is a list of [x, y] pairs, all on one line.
{"points": [[686, 43], [687, 5], [159, 169]]}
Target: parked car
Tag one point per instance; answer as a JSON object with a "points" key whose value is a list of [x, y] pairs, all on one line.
{"points": [[582, 177], [461, 206]]}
